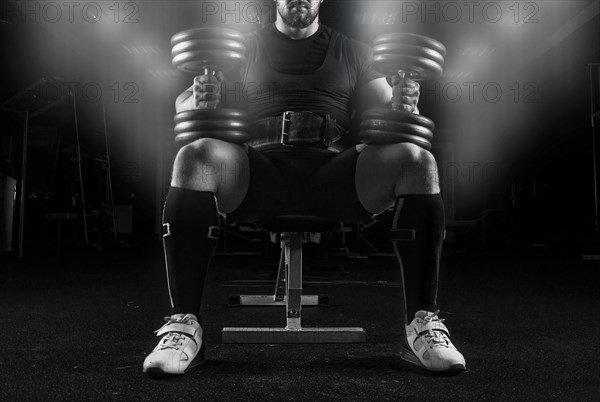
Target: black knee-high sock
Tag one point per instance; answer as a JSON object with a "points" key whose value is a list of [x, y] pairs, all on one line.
{"points": [[190, 234], [418, 235]]}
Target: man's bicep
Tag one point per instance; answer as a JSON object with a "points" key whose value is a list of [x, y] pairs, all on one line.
{"points": [[374, 94]]}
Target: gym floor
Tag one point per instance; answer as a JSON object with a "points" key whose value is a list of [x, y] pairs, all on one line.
{"points": [[78, 327]]}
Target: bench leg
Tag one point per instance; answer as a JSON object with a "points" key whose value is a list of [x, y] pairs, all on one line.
{"points": [[279, 296], [293, 331]]}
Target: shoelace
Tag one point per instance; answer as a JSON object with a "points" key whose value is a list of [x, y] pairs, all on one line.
{"points": [[172, 339], [434, 317], [438, 338]]}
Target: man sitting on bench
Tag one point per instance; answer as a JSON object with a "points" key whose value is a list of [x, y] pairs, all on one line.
{"points": [[321, 76]]}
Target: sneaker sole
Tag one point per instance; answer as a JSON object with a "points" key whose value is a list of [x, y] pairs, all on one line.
{"points": [[409, 356]]}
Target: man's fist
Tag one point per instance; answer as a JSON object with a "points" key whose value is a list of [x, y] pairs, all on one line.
{"points": [[405, 93], [205, 93]]}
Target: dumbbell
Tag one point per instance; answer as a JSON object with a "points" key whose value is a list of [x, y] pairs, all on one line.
{"points": [[208, 51], [419, 58]]}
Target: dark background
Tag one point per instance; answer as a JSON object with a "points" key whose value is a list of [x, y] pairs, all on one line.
{"points": [[519, 277], [512, 110]]}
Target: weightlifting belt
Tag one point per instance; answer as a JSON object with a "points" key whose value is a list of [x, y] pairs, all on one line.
{"points": [[295, 129]]}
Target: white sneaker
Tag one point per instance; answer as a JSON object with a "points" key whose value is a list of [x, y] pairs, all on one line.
{"points": [[429, 344], [180, 349]]}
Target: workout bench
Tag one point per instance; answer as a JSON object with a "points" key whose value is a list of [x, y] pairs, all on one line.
{"points": [[288, 291]]}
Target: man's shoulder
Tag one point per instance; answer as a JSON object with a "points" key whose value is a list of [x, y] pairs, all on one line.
{"points": [[356, 51], [353, 44]]}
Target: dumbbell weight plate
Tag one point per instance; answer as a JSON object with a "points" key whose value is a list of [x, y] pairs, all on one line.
{"points": [[400, 128], [210, 115], [210, 125], [236, 137], [411, 39], [381, 137], [399, 116], [228, 125], [408, 50], [208, 44], [207, 33], [195, 61], [419, 68]]}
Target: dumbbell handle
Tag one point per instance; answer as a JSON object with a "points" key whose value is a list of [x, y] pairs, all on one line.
{"points": [[406, 74], [209, 70]]}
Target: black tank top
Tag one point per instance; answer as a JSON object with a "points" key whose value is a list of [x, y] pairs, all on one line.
{"points": [[320, 73]]}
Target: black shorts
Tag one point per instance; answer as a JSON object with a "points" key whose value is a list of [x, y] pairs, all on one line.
{"points": [[305, 181]]}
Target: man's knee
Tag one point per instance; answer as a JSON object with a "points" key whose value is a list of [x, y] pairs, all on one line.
{"points": [[416, 169], [413, 168], [413, 158], [207, 164]]}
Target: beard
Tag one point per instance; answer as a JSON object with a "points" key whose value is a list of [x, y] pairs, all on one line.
{"points": [[298, 14]]}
